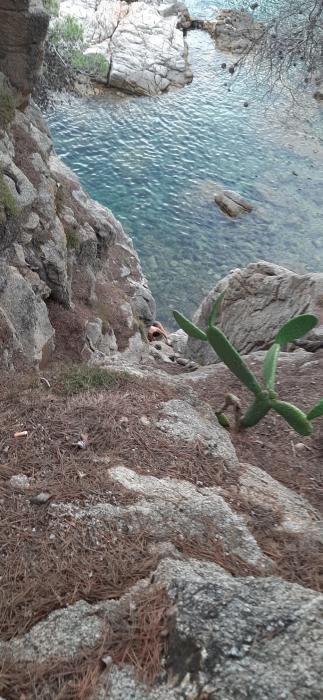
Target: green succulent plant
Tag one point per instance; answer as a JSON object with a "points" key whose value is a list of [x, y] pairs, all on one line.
{"points": [[265, 396]]}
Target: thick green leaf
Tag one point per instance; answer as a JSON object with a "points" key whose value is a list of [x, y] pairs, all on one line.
{"points": [[270, 366], [190, 328], [316, 411], [293, 415], [296, 328], [215, 309], [255, 412], [231, 358], [223, 420]]}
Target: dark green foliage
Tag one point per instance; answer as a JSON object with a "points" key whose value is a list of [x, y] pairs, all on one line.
{"points": [[94, 64]]}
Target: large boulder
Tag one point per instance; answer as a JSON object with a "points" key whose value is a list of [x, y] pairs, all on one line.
{"points": [[146, 51], [231, 203], [235, 638], [23, 27], [235, 31], [258, 300]]}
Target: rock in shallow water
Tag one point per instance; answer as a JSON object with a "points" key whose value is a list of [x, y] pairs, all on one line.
{"points": [[232, 203]]}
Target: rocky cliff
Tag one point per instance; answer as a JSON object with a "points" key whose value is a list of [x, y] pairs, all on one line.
{"points": [[145, 551], [70, 278]]}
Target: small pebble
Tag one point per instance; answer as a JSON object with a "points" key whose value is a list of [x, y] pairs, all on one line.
{"points": [[40, 499], [300, 447], [20, 481], [144, 420], [107, 660]]}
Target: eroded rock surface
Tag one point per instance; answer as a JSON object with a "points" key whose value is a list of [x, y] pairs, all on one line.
{"points": [[58, 245], [244, 638], [232, 203], [146, 51], [234, 30], [258, 300], [23, 26]]}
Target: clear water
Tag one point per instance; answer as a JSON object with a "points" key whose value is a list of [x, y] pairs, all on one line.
{"points": [[154, 162]]}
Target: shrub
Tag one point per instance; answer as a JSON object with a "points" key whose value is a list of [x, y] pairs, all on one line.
{"points": [[67, 30], [52, 7], [91, 63], [266, 398]]}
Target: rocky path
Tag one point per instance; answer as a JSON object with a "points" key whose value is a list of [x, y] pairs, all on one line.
{"points": [[157, 563]]}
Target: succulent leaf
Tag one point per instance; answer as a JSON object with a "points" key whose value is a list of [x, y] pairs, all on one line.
{"points": [[223, 420], [296, 328], [256, 411], [190, 328], [293, 415], [270, 366], [316, 411], [231, 358]]}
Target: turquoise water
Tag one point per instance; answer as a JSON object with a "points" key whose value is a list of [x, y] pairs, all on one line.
{"points": [[154, 162]]}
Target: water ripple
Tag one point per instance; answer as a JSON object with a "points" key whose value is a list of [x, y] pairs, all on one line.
{"points": [[154, 162]]}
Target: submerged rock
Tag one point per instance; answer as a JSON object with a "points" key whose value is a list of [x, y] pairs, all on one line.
{"points": [[145, 48], [232, 203]]}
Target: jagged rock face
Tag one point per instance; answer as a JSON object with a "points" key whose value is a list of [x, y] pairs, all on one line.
{"points": [[234, 30], [244, 638], [65, 248], [258, 300], [23, 27], [146, 51]]}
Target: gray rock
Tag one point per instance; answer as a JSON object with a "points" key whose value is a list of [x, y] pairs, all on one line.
{"points": [[120, 683], [234, 30], [181, 420], [258, 300], [97, 340], [232, 203], [261, 489], [23, 27], [170, 508], [144, 305], [178, 341], [259, 638], [27, 315], [146, 51], [62, 634], [20, 481]]}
